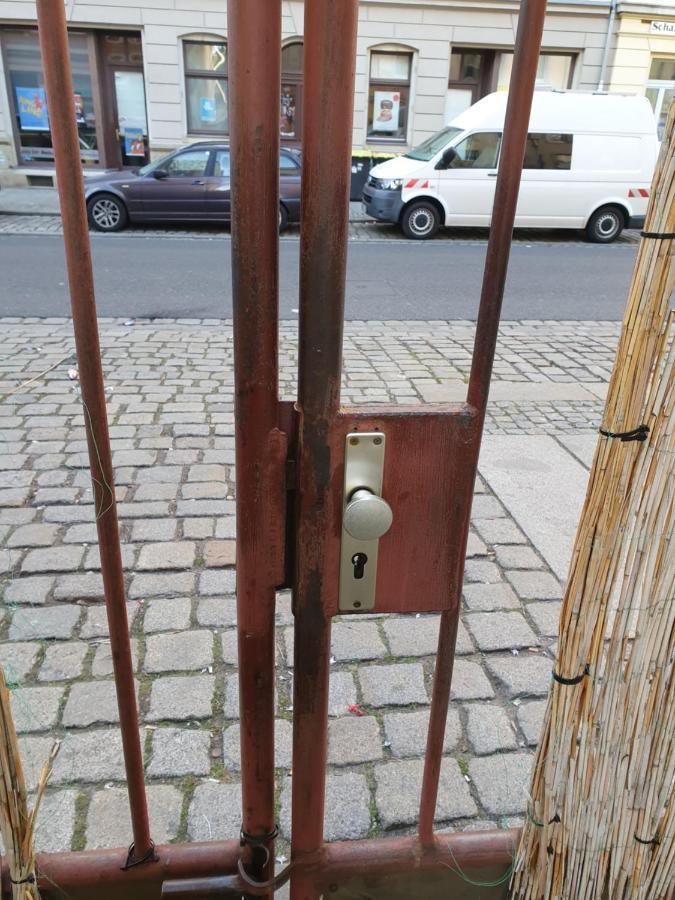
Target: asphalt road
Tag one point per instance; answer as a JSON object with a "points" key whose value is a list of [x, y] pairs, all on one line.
{"points": [[161, 277]]}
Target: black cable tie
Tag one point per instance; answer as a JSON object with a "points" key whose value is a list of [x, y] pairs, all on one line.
{"points": [[29, 879], [150, 856], [662, 235], [655, 841], [637, 434], [556, 818], [579, 678]]}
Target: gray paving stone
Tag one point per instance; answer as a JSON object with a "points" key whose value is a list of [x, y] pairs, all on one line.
{"points": [[143, 510], [353, 739], [159, 474], [207, 473], [92, 560], [63, 661], [84, 586], [517, 557], [546, 616], [356, 640], [489, 729], [179, 751], [217, 581], [341, 693], [34, 754], [81, 534], [502, 781], [183, 697], [215, 812], [102, 664], [283, 746], [150, 492], [14, 496], [109, 820], [398, 786], [95, 624], [396, 685], [153, 529], [347, 808], [475, 547], [500, 630], [481, 570], [55, 824], [89, 757], [490, 597], [204, 490], [35, 708], [133, 458], [469, 682], [50, 622], [226, 527], [531, 719], [53, 559], [33, 536], [406, 732], [91, 703], [167, 555], [412, 636], [219, 612], [535, 585], [167, 614], [17, 660], [198, 529], [499, 531], [179, 651], [526, 675], [484, 506], [33, 591], [166, 584], [229, 647]]}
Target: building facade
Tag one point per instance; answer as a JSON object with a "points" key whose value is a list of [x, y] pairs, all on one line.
{"points": [[149, 77]]}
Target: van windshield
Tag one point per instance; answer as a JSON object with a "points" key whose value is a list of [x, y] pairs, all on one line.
{"points": [[429, 148]]}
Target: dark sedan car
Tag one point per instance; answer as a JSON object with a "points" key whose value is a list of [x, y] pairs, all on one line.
{"points": [[190, 185]]}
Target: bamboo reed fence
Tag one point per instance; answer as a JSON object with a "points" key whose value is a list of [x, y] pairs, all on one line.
{"points": [[601, 821]]}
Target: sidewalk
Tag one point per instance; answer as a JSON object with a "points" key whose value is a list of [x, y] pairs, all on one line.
{"points": [[170, 392]]}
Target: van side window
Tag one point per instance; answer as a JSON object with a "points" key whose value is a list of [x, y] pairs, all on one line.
{"points": [[548, 151], [478, 151]]}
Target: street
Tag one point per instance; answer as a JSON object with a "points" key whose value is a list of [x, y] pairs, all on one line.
{"points": [[141, 276]]}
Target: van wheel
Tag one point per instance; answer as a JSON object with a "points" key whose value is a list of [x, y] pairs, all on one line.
{"points": [[420, 221], [605, 225]]}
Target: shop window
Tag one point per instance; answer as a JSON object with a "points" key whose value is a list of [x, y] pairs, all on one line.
{"points": [[469, 79], [206, 87], [661, 89], [555, 70], [28, 98], [478, 151], [548, 151], [389, 96], [290, 119]]}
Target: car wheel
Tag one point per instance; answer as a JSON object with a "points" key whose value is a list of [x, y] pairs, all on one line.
{"points": [[107, 213], [605, 225], [420, 221], [283, 217]]}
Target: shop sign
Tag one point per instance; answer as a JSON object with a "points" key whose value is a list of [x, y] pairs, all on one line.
{"points": [[207, 110], [32, 106], [134, 142], [386, 110], [662, 27]]}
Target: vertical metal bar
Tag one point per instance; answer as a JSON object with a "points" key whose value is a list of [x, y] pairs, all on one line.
{"points": [[254, 51], [59, 84], [521, 88], [330, 48]]}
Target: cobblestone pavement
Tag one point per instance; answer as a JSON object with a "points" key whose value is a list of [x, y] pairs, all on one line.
{"points": [[359, 230], [170, 392]]}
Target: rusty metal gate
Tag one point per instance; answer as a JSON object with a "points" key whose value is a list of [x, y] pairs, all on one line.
{"points": [[356, 509]]}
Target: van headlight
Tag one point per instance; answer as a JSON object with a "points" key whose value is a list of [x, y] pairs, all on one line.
{"points": [[387, 184]]}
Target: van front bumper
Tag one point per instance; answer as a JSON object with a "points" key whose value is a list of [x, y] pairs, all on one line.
{"points": [[385, 206], [636, 222]]}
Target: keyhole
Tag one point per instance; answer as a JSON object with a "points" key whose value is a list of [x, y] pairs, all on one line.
{"points": [[359, 561]]}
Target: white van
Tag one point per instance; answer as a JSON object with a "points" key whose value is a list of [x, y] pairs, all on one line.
{"points": [[588, 164]]}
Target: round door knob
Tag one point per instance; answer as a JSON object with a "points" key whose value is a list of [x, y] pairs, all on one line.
{"points": [[367, 516]]}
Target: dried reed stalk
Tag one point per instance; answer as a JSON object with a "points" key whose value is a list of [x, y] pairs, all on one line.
{"points": [[17, 824], [582, 765]]}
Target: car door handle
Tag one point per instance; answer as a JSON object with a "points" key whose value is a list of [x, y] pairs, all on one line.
{"points": [[198, 181]]}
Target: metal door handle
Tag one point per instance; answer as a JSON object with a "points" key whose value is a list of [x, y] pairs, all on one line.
{"points": [[492, 174], [198, 181], [367, 517]]}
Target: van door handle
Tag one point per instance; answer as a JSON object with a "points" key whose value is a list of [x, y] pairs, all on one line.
{"points": [[492, 174]]}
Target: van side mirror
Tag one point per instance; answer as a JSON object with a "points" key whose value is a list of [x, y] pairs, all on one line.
{"points": [[446, 159]]}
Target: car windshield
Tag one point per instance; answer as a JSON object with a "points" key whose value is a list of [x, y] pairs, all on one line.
{"points": [[429, 148]]}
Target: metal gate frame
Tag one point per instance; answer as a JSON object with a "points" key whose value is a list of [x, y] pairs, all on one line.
{"points": [[286, 463]]}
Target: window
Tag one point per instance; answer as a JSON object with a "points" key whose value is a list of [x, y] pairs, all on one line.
{"points": [[548, 151], [221, 167], [555, 70], [661, 89], [287, 165], [290, 122], [478, 151], [206, 87], [469, 79], [389, 96], [191, 164]]}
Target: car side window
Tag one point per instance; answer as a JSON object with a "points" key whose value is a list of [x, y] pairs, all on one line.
{"points": [[548, 151], [190, 164], [221, 167], [478, 151], [288, 165]]}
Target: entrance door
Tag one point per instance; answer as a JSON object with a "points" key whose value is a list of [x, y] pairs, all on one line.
{"points": [[130, 115]]}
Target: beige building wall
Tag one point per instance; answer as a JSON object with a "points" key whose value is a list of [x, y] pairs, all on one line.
{"points": [[636, 44]]}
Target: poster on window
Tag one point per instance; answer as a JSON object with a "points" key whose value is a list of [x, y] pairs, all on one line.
{"points": [[287, 120], [31, 104], [79, 109], [386, 110], [207, 110], [134, 142]]}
